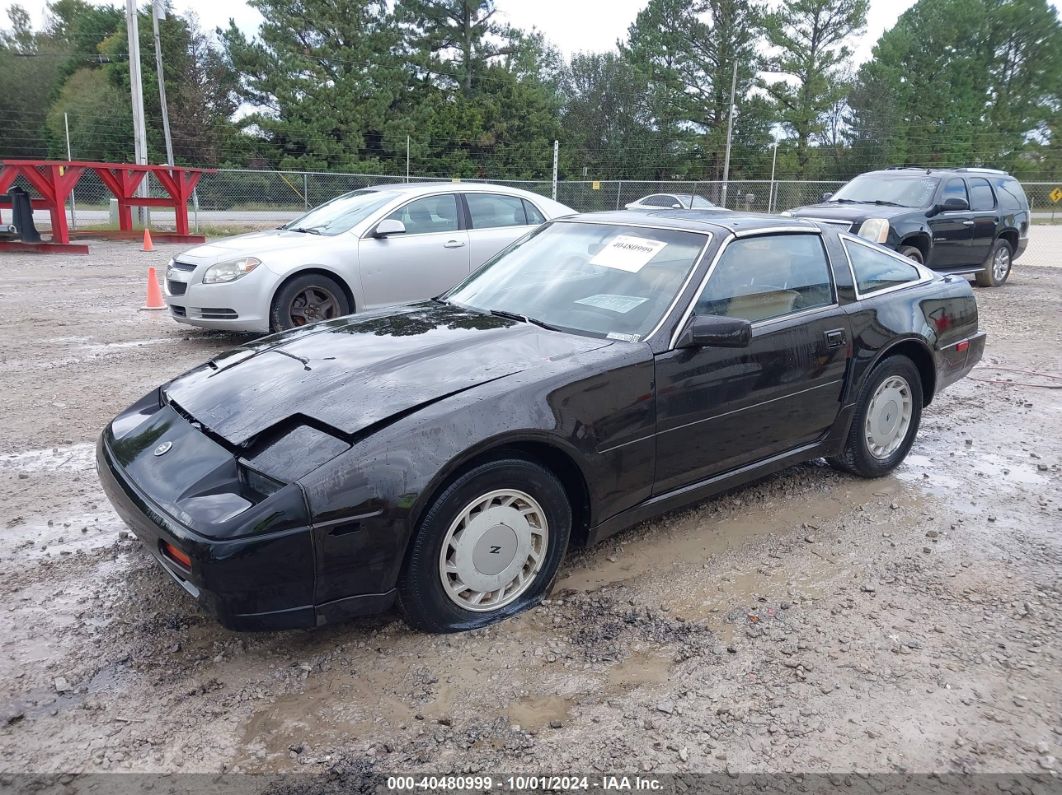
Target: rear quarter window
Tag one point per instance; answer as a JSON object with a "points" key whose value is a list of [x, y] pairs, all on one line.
{"points": [[1010, 194], [875, 270]]}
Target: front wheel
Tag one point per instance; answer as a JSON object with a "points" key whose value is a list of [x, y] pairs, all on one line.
{"points": [[489, 547], [913, 253], [307, 299], [997, 269], [886, 420]]}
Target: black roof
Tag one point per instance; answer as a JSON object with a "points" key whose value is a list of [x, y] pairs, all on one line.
{"points": [[717, 221]]}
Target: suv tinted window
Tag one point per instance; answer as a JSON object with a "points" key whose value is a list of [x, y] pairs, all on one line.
{"points": [[1010, 194], [764, 277], [981, 197], [875, 270], [954, 189], [490, 210], [533, 214], [430, 214]]}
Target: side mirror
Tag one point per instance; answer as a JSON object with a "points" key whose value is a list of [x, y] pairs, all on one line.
{"points": [[954, 203], [389, 226], [825, 197], [716, 331]]}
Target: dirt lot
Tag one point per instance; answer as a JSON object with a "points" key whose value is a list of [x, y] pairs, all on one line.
{"points": [[812, 622]]}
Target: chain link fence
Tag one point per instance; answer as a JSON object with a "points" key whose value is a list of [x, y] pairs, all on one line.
{"points": [[244, 197]]}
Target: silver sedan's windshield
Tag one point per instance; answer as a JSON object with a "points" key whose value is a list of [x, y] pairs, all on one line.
{"points": [[904, 191], [601, 279], [342, 213]]}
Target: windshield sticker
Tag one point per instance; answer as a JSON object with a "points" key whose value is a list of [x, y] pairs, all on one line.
{"points": [[613, 303], [615, 335], [627, 253]]}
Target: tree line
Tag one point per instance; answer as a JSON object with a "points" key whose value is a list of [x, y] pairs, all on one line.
{"points": [[359, 85]]}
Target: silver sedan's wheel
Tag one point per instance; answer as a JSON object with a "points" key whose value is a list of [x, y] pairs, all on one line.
{"points": [[888, 416], [493, 550], [1001, 264]]}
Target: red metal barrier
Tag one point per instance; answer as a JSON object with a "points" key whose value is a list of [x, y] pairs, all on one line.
{"points": [[54, 181]]}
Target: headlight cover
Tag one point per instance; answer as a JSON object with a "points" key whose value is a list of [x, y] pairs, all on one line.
{"points": [[875, 230], [231, 270]]}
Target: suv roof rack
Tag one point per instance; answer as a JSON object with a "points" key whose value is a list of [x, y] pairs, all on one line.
{"points": [[908, 168], [979, 170]]}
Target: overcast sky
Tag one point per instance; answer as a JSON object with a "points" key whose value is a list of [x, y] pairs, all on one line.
{"points": [[573, 25]]}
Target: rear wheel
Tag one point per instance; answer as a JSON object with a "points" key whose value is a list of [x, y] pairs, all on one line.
{"points": [[913, 253], [489, 547], [308, 299], [886, 420], [997, 269]]}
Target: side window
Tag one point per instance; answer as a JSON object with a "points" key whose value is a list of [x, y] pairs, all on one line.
{"points": [[954, 189], [490, 210], [533, 214], [759, 278], [659, 200], [981, 197], [875, 270], [427, 215], [1010, 194]]}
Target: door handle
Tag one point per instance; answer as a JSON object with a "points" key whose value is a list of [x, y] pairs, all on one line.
{"points": [[453, 244], [835, 338], [967, 222]]}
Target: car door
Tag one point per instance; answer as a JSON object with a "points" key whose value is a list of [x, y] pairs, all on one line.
{"points": [[984, 214], [721, 408], [430, 257], [952, 230], [495, 220]]}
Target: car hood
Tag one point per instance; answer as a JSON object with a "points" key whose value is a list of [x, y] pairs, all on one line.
{"points": [[355, 372], [267, 241], [848, 212]]}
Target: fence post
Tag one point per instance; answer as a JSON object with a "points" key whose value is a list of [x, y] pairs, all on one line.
{"points": [[619, 186], [305, 191], [556, 153], [693, 193]]}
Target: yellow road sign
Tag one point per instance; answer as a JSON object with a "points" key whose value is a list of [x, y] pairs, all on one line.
{"points": [[1055, 195], [596, 185]]}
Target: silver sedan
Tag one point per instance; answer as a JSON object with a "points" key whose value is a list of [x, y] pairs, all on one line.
{"points": [[371, 248]]}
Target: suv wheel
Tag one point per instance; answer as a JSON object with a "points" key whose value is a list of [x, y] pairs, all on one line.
{"points": [[913, 253], [997, 269]]}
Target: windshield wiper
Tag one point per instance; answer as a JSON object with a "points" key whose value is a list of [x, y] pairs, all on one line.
{"points": [[888, 204], [844, 201], [524, 318], [308, 231]]}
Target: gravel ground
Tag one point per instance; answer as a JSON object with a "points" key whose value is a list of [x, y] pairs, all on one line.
{"points": [[811, 622]]}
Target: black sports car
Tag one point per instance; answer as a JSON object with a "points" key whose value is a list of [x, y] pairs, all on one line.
{"points": [[603, 369]]}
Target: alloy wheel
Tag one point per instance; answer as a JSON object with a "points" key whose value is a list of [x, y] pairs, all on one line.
{"points": [[313, 304]]}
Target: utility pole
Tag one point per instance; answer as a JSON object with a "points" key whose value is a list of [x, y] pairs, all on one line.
{"points": [[729, 134], [556, 154], [770, 193], [157, 13], [136, 88], [73, 206]]}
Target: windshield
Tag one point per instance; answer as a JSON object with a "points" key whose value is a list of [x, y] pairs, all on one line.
{"points": [[600, 279], [698, 202], [340, 214], [905, 191]]}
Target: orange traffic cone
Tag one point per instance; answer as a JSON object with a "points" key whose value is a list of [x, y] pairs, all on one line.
{"points": [[147, 243], [154, 293]]}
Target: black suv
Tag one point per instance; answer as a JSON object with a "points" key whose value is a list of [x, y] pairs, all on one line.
{"points": [[957, 220]]}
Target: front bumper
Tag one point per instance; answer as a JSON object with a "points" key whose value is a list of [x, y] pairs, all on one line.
{"points": [[249, 583], [242, 305]]}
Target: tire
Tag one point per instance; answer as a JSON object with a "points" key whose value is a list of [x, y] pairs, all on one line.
{"points": [[858, 456], [432, 606], [913, 253], [287, 312], [997, 267]]}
